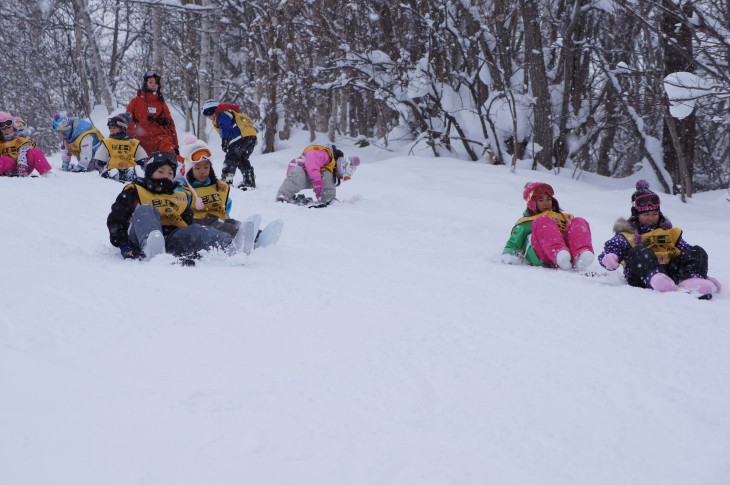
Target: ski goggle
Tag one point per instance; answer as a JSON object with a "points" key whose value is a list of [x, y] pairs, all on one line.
{"points": [[6, 124], [200, 155], [646, 202], [152, 73]]}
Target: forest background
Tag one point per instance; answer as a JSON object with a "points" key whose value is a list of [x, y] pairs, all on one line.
{"points": [[576, 85]]}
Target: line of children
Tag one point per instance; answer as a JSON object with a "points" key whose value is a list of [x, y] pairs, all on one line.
{"points": [[653, 252], [119, 153], [547, 236], [18, 154], [238, 139], [79, 138], [154, 215]]}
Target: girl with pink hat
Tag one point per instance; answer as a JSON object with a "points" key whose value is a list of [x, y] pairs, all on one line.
{"points": [[18, 155], [547, 236]]}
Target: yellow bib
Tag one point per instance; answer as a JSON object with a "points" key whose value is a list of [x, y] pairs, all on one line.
{"points": [[330, 167], [561, 218], [662, 241], [75, 146], [214, 201], [243, 122], [121, 153], [12, 147], [170, 206]]}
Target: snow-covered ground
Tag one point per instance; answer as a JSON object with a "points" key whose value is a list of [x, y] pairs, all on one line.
{"points": [[380, 342]]}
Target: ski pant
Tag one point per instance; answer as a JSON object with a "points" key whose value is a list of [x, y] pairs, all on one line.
{"points": [[229, 226], [641, 264], [36, 161], [237, 156], [297, 180], [181, 241], [548, 240]]}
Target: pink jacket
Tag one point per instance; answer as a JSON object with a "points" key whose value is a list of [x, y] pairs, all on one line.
{"points": [[312, 161]]}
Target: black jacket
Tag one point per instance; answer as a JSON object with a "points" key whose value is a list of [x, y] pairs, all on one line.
{"points": [[123, 207]]}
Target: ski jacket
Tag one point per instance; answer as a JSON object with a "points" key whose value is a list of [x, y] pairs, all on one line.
{"points": [[151, 120], [315, 159], [174, 207], [231, 124], [519, 243], [85, 139], [216, 203], [663, 239]]}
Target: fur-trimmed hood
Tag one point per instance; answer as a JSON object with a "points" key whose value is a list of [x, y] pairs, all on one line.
{"points": [[632, 225]]}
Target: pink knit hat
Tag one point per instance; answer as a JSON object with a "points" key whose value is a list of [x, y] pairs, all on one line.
{"points": [[533, 190]]}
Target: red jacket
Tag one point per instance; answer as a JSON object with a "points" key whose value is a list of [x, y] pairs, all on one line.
{"points": [[152, 123]]}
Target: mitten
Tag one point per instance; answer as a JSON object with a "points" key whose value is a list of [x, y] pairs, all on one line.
{"points": [[318, 189], [224, 144], [610, 261], [510, 259], [23, 170], [130, 252]]}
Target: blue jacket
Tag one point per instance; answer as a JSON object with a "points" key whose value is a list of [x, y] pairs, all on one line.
{"points": [[227, 125]]}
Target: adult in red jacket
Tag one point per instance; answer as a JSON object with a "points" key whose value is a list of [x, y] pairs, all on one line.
{"points": [[152, 123]]}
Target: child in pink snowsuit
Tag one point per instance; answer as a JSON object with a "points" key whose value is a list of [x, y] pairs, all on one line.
{"points": [[18, 155], [547, 236], [320, 168]]}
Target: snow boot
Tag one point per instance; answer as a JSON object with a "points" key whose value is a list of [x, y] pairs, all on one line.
{"points": [[700, 286], [662, 283], [154, 245], [584, 261], [249, 179], [562, 259]]}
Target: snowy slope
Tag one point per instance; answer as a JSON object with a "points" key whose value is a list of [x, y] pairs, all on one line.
{"points": [[380, 342]]}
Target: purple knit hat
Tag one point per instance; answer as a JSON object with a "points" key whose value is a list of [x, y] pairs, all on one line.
{"points": [[644, 200]]}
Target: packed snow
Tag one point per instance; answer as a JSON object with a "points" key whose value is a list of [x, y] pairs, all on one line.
{"points": [[380, 341]]}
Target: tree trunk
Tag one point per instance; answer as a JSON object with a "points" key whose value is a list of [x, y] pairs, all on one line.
{"points": [[542, 127], [678, 52]]}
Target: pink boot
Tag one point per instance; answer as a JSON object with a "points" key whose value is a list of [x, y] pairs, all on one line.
{"points": [[37, 160], [548, 241], [578, 237], [663, 283], [699, 285]]}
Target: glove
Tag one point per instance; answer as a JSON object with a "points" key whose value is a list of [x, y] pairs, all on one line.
{"points": [[510, 259], [23, 170], [318, 189], [176, 150], [610, 261], [224, 144], [130, 252]]}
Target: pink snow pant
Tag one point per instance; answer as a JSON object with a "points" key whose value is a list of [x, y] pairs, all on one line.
{"points": [[548, 241], [36, 160]]}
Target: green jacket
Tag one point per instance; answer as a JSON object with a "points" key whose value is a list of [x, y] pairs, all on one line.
{"points": [[519, 244]]}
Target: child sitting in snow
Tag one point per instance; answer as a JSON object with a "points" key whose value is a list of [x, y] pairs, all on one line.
{"points": [[213, 204], [154, 215], [79, 138], [320, 168], [547, 236], [119, 153], [18, 155], [654, 254]]}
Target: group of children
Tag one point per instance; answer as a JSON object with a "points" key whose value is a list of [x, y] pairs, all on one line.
{"points": [[653, 253]]}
